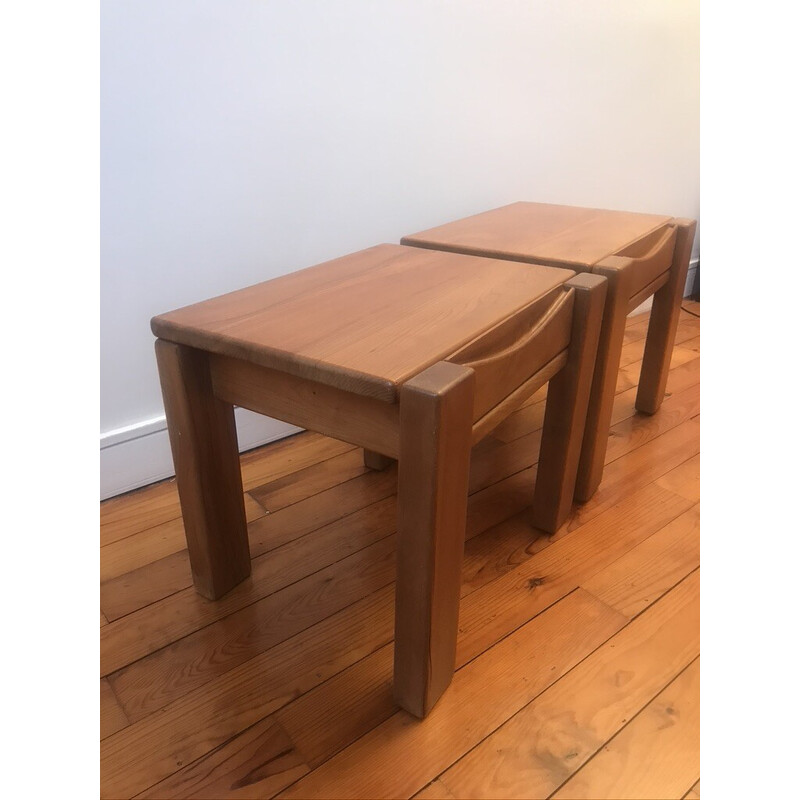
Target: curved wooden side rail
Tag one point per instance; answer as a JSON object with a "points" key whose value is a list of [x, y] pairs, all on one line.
{"points": [[495, 415], [510, 362], [507, 357], [651, 258], [648, 291]]}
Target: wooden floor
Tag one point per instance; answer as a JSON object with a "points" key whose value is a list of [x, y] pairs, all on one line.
{"points": [[578, 654]]}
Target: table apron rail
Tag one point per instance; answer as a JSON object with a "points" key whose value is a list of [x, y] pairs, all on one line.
{"points": [[509, 357], [651, 258], [363, 421], [494, 416], [648, 291]]}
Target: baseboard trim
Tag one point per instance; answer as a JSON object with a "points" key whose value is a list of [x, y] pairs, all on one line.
{"points": [[137, 455]]}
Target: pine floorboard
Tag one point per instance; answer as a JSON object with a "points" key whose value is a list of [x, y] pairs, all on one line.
{"points": [[578, 652]]}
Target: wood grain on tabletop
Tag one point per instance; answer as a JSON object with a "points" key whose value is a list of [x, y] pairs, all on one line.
{"points": [[542, 233], [331, 322]]}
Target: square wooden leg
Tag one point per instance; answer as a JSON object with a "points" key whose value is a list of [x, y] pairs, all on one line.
{"points": [[202, 433], [601, 400], [565, 412], [664, 322], [435, 438]]}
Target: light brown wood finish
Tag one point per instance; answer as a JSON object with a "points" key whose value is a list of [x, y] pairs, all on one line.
{"points": [[693, 793], [565, 412], [333, 323], [598, 416], [649, 290], [264, 761], [202, 434], [333, 715], [685, 480], [244, 691], [436, 410], [112, 715], [541, 233], [173, 729], [487, 690], [124, 556], [495, 416], [435, 790], [187, 663], [331, 349], [651, 568], [504, 357], [548, 740], [664, 321], [531, 412], [640, 254], [327, 409], [652, 258], [656, 755]]}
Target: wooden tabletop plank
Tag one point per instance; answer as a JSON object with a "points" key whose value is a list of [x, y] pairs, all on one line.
{"points": [[541, 233], [365, 322]]}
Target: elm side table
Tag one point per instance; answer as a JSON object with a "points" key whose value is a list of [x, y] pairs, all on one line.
{"points": [[412, 354], [641, 255]]}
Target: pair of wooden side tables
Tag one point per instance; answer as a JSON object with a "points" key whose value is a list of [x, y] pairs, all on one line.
{"points": [[415, 352]]}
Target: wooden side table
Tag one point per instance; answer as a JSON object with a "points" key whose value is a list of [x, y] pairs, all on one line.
{"points": [[641, 255], [411, 354]]}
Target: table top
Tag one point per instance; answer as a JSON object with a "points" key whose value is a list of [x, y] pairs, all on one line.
{"points": [[541, 233], [365, 322]]}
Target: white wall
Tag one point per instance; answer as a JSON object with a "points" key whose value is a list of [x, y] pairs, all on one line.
{"points": [[243, 139]]}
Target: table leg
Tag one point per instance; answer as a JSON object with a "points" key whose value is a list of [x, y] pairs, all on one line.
{"points": [[604, 383], [202, 434], [377, 461], [435, 436], [565, 412], [664, 322]]}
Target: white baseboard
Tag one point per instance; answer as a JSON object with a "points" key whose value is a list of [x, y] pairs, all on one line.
{"points": [[139, 454]]}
